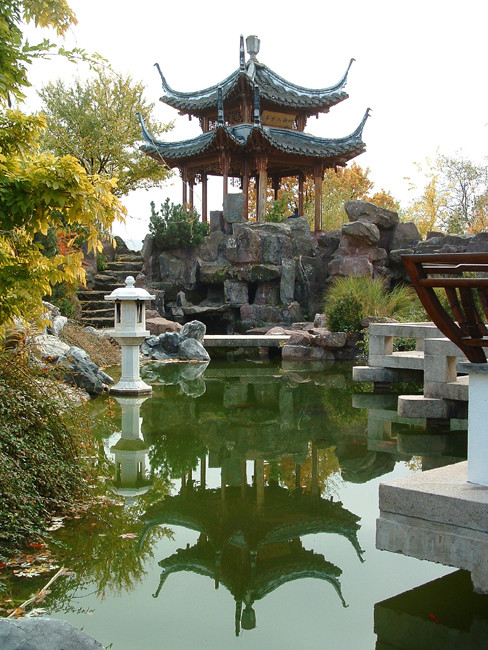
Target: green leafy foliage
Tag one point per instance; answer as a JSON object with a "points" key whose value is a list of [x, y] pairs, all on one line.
{"points": [[41, 195], [40, 454], [280, 209], [351, 299], [95, 122], [176, 226]]}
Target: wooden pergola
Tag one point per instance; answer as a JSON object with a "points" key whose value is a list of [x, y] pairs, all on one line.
{"points": [[253, 127]]}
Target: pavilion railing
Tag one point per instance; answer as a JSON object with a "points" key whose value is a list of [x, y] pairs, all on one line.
{"points": [[464, 279]]}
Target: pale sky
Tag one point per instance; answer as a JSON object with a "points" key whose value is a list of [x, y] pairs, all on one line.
{"points": [[420, 65]]}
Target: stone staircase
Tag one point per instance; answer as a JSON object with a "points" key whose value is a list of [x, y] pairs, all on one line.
{"points": [[95, 310]]}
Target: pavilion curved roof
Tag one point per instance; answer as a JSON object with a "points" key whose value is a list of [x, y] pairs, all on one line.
{"points": [[272, 88], [247, 136]]}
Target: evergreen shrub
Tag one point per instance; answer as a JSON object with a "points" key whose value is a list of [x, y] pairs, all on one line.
{"points": [[176, 226]]}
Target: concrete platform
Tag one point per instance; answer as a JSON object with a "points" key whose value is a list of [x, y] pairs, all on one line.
{"points": [[437, 516], [244, 340]]}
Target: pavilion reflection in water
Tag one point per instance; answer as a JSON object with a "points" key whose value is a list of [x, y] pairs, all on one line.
{"points": [[266, 431], [250, 537]]}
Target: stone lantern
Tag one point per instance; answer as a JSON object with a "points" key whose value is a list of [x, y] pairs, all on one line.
{"points": [[131, 451], [130, 331]]}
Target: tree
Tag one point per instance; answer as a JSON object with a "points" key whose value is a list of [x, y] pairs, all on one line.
{"points": [[454, 197], [95, 121], [339, 185], [38, 190]]}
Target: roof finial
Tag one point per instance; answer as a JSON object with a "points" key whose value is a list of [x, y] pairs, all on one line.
{"points": [[257, 111], [242, 55], [252, 45], [220, 106]]}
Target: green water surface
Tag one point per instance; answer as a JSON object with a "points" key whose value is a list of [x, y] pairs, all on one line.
{"points": [[244, 500]]}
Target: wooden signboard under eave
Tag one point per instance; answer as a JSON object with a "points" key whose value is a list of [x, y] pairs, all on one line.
{"points": [[281, 120]]}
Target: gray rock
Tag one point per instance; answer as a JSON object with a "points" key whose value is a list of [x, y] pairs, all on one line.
{"points": [[300, 236], [44, 634], [362, 231], [77, 368], [333, 340], [292, 313], [320, 320], [267, 293], [234, 207], [405, 235], [169, 342], [49, 347], [216, 221], [236, 293], [245, 246], [159, 355], [193, 330], [366, 211], [351, 266], [287, 282], [160, 325], [58, 323], [478, 243], [329, 241], [192, 350]]}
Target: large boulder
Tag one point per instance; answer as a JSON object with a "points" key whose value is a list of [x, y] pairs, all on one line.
{"points": [[193, 330], [287, 282], [159, 325], [245, 246], [351, 266], [192, 350], [44, 634], [236, 293], [405, 234], [77, 368], [365, 211], [48, 347], [363, 232]]}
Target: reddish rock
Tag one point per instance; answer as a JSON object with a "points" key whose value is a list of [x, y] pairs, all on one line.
{"points": [[160, 325]]}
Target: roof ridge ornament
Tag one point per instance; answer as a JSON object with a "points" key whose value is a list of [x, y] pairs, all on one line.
{"points": [[257, 111], [242, 55], [220, 106], [252, 46]]}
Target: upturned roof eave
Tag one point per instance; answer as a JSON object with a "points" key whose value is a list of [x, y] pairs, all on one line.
{"points": [[284, 93]]}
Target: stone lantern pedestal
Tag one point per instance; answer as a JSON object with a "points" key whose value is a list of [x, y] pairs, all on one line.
{"points": [[130, 331]]}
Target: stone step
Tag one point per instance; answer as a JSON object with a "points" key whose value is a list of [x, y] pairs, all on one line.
{"points": [[100, 322], [94, 305], [125, 266], [90, 294]]}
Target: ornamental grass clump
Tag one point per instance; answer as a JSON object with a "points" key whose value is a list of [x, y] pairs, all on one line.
{"points": [[41, 454], [351, 299]]}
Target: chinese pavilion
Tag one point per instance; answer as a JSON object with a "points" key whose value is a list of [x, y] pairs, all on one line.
{"points": [[253, 126]]}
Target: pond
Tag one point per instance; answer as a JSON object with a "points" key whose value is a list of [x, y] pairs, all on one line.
{"points": [[243, 516]]}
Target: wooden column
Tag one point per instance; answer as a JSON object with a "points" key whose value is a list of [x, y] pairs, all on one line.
{"points": [[318, 173], [245, 187], [259, 479], [276, 186], [184, 176], [190, 191], [262, 187], [204, 199], [301, 202], [224, 162]]}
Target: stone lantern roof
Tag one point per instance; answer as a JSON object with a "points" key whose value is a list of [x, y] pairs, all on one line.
{"points": [[129, 292]]}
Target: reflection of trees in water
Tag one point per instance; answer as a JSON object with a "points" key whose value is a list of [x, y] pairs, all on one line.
{"points": [[99, 560]]}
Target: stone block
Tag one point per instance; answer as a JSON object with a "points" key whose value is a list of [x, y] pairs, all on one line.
{"points": [[236, 293], [159, 325], [267, 293], [379, 344], [363, 232], [234, 205], [216, 221], [418, 406], [405, 235], [287, 282], [350, 266], [366, 211]]}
